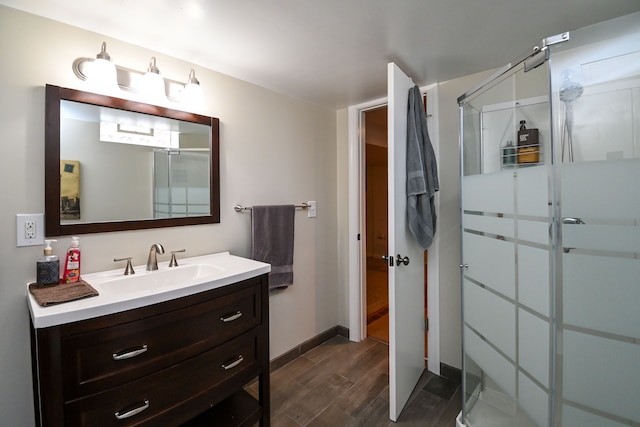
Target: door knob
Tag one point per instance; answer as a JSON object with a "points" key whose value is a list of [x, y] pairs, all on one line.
{"points": [[400, 260]]}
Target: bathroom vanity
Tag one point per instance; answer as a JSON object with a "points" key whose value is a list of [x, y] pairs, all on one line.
{"points": [[149, 353]]}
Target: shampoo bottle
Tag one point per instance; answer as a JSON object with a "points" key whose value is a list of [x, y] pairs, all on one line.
{"points": [[529, 149], [48, 266], [72, 262]]}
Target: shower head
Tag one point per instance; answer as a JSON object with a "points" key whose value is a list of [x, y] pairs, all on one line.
{"points": [[569, 90]]}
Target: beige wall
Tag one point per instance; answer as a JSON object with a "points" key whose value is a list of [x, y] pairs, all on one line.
{"points": [[274, 149], [449, 219]]}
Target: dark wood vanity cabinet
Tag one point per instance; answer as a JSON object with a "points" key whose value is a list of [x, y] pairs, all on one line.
{"points": [[183, 362]]}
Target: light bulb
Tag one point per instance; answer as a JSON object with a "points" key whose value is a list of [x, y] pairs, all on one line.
{"points": [[153, 84], [192, 93], [102, 76]]}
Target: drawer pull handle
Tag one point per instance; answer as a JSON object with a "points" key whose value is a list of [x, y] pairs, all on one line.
{"points": [[130, 354], [132, 412], [231, 317], [233, 364]]}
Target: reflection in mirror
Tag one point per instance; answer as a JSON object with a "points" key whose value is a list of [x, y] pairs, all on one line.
{"points": [[113, 164]]}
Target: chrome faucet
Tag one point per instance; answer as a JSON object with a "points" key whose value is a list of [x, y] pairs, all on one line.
{"points": [[152, 262]]}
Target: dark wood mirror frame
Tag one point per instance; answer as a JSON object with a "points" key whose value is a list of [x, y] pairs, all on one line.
{"points": [[53, 227]]}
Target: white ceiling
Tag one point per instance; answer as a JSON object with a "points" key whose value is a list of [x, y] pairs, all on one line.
{"points": [[333, 52]]}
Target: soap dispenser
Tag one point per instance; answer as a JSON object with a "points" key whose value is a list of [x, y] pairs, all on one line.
{"points": [[48, 266], [72, 262]]}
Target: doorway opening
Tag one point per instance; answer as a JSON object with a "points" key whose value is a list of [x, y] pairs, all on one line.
{"points": [[376, 223], [357, 233], [376, 226]]}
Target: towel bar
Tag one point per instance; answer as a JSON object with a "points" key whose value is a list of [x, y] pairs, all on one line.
{"points": [[240, 208]]}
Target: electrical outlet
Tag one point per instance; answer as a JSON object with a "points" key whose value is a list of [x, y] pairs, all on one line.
{"points": [[29, 229]]}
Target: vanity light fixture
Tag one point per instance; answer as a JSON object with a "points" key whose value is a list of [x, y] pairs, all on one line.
{"points": [[150, 84]]}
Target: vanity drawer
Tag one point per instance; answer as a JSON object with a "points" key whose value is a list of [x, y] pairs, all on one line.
{"points": [[108, 357], [173, 395]]}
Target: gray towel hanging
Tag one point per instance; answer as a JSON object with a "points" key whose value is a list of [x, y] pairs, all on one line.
{"points": [[422, 173], [272, 233]]}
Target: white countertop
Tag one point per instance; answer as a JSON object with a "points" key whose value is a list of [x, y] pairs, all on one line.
{"points": [[115, 297]]}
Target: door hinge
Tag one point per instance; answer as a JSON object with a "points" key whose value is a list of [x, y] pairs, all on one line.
{"points": [[358, 236]]}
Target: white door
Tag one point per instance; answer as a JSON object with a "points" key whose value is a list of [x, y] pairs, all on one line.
{"points": [[406, 281]]}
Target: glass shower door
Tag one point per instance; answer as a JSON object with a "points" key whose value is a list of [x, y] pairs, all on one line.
{"points": [[551, 248], [596, 92], [506, 252]]}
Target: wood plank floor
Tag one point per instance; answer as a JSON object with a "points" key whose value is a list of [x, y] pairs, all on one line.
{"points": [[342, 383]]}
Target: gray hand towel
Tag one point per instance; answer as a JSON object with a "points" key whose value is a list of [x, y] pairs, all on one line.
{"points": [[272, 241], [422, 173]]}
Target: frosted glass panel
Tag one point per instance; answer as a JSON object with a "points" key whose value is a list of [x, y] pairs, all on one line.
{"points": [[602, 293], [492, 362], [491, 262], [533, 231], [615, 238], [533, 342], [198, 209], [162, 195], [198, 195], [533, 400], [489, 192], [498, 327], [178, 195], [606, 189], [574, 417], [489, 224], [532, 186], [602, 374], [533, 278]]}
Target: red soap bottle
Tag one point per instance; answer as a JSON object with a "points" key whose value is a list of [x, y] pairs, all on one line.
{"points": [[72, 262]]}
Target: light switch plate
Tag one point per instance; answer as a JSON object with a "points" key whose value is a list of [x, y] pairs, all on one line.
{"points": [[311, 210], [29, 229]]}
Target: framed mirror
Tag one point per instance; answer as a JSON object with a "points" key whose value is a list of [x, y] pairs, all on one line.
{"points": [[112, 165]]}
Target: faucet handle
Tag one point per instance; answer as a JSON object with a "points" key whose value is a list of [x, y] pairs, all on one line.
{"points": [[129, 268], [174, 262]]}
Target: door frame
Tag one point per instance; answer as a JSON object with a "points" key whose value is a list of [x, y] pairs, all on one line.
{"points": [[357, 254]]}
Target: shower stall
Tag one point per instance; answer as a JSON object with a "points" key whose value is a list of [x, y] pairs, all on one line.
{"points": [[181, 182], [551, 234]]}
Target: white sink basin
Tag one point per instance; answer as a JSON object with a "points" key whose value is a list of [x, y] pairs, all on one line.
{"points": [[118, 292], [157, 280]]}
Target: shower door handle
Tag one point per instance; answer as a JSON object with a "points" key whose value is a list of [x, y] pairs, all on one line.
{"points": [[573, 221], [569, 221]]}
